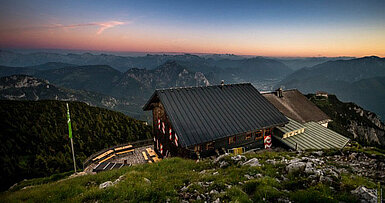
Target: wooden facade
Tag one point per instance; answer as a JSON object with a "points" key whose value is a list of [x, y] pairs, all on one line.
{"points": [[249, 140], [169, 147]]}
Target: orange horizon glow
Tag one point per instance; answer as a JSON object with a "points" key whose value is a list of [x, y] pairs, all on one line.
{"points": [[159, 44]]}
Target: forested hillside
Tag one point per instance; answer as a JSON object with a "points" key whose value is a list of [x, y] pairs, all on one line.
{"points": [[34, 136]]}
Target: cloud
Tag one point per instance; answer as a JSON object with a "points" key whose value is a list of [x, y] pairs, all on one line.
{"points": [[102, 26], [107, 25]]}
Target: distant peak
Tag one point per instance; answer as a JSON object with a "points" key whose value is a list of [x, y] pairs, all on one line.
{"points": [[371, 57]]}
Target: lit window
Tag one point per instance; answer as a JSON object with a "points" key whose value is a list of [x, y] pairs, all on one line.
{"points": [[258, 135], [209, 146], [231, 140], [248, 136], [197, 148]]}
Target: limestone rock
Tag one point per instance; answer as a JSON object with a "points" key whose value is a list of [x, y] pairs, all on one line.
{"points": [[295, 167], [223, 164], [105, 185], [238, 157], [363, 193], [220, 158], [147, 180], [252, 162]]}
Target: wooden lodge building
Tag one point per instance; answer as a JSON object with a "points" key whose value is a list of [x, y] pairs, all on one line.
{"points": [[196, 122]]}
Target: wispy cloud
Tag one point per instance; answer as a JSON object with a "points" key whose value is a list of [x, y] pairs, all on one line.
{"points": [[102, 26], [107, 25]]}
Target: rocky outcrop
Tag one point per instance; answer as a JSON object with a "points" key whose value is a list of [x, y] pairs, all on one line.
{"points": [[372, 131], [365, 194], [313, 168], [352, 121], [369, 134]]}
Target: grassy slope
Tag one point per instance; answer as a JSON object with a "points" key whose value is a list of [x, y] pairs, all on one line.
{"points": [[168, 176]]}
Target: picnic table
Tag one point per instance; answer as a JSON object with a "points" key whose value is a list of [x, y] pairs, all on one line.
{"points": [[151, 152]]}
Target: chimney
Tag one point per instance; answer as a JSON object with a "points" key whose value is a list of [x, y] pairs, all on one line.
{"points": [[279, 92]]}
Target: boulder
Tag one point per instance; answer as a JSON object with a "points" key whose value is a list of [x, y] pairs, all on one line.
{"points": [[318, 153], [252, 162], [119, 179], [248, 177], [271, 161], [223, 164], [295, 160], [184, 189], [309, 168], [147, 180], [238, 157], [220, 158], [325, 179], [105, 185], [363, 193], [334, 174], [217, 200], [296, 167], [318, 172], [213, 192]]}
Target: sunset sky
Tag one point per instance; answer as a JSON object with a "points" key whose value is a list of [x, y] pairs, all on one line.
{"points": [[265, 28]]}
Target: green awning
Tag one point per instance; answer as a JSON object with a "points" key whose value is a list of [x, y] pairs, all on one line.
{"points": [[315, 136], [291, 128]]}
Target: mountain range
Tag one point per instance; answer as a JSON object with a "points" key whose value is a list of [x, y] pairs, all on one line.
{"points": [[100, 85], [298, 63], [231, 68], [360, 80], [28, 88], [134, 78]]}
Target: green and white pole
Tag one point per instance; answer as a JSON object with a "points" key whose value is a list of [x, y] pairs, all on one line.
{"points": [[70, 135]]}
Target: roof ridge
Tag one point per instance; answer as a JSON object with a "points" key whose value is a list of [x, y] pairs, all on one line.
{"points": [[273, 91], [193, 87]]}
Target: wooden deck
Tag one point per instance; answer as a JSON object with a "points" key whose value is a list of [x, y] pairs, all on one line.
{"points": [[140, 155]]}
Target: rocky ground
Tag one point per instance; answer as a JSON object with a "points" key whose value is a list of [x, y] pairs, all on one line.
{"points": [[316, 167]]}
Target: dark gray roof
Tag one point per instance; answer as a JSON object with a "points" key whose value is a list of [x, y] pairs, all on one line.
{"points": [[204, 114]]}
